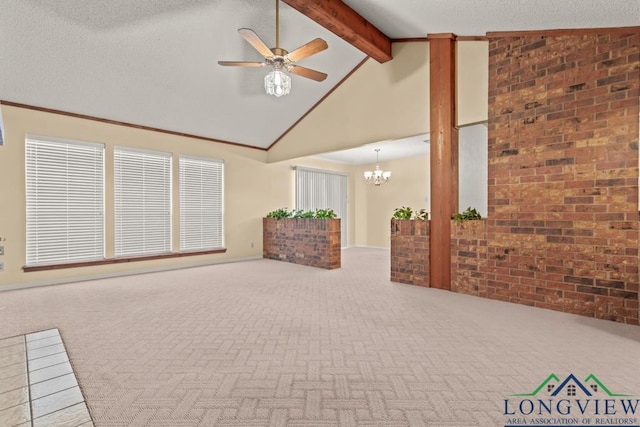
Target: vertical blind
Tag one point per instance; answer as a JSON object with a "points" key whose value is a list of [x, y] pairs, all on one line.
{"points": [[320, 189], [201, 203], [65, 201], [142, 202]]}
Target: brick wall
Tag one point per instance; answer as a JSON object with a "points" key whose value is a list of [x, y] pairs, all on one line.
{"points": [[306, 241], [563, 173], [469, 257], [410, 252]]}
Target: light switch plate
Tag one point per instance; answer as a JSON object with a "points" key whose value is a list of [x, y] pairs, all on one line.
{"points": [[1, 250]]}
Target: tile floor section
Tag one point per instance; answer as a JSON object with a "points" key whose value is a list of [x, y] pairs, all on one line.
{"points": [[37, 383]]}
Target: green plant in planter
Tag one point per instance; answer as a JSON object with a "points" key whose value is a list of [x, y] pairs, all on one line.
{"points": [[422, 215], [324, 213], [403, 213], [299, 213], [468, 215], [280, 213], [302, 214]]}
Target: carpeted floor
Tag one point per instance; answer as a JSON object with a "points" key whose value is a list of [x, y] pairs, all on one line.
{"points": [[275, 344]]}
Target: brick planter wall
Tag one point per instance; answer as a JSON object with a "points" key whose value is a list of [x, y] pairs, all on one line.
{"points": [[306, 241], [469, 257], [563, 173], [410, 251]]}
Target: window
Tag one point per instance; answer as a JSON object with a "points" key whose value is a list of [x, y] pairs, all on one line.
{"points": [[201, 203], [571, 390], [322, 189], [65, 201], [142, 201]]}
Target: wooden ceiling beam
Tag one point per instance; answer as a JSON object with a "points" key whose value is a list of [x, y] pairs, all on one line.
{"points": [[345, 22]]}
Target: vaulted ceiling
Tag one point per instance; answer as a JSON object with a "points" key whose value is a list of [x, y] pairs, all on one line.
{"points": [[154, 62]]}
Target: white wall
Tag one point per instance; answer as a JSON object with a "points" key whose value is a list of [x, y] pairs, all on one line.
{"points": [[388, 101], [472, 81], [473, 168], [252, 188], [408, 186], [378, 101]]}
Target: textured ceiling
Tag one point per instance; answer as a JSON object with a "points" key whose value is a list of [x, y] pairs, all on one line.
{"points": [[154, 62], [389, 150], [417, 18]]}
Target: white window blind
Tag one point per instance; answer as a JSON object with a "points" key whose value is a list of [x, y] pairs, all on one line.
{"points": [[142, 202], [321, 189], [65, 201], [201, 203]]}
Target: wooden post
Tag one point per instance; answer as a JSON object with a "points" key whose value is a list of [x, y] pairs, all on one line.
{"points": [[444, 154]]}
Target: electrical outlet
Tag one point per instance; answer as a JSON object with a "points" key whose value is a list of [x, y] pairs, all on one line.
{"points": [[252, 244], [1, 250], [1, 265]]}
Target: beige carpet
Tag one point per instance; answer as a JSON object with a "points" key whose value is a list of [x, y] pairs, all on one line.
{"points": [[275, 344]]}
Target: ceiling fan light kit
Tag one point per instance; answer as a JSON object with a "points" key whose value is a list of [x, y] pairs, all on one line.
{"points": [[277, 82]]}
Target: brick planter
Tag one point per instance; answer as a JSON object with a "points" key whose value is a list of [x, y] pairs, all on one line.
{"points": [[410, 251], [305, 241], [469, 257]]}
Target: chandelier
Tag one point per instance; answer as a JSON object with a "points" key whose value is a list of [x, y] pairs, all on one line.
{"points": [[378, 176]]}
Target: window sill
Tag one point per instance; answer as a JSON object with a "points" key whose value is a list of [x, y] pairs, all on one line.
{"points": [[28, 269]]}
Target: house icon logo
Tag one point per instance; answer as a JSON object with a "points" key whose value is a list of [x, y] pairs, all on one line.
{"points": [[590, 387], [571, 401]]}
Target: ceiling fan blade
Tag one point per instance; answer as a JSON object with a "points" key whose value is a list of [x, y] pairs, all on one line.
{"points": [[241, 64], [307, 72], [311, 48], [256, 42]]}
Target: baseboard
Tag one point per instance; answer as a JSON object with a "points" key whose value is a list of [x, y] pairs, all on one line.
{"points": [[120, 274], [371, 247]]}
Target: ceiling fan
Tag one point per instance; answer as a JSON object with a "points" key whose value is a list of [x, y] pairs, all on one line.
{"points": [[277, 82]]}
